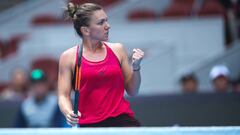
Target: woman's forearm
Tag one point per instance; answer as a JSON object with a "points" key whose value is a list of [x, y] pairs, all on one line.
{"points": [[65, 104], [135, 77], [134, 83]]}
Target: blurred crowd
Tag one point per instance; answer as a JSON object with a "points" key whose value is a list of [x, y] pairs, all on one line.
{"points": [[219, 77], [38, 106]]}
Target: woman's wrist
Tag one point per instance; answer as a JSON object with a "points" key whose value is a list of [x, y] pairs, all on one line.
{"points": [[136, 68]]}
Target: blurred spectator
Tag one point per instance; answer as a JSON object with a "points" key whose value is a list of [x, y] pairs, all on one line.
{"points": [[18, 86], [231, 7], [236, 85], [40, 109], [220, 78], [189, 83]]}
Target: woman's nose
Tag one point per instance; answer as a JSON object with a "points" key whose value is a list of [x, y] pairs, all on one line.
{"points": [[107, 26]]}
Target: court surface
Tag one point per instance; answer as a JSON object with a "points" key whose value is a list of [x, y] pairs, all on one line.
{"points": [[124, 131]]}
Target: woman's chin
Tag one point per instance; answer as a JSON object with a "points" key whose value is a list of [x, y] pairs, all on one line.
{"points": [[105, 39]]}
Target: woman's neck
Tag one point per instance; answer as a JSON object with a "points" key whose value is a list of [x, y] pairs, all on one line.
{"points": [[92, 46]]}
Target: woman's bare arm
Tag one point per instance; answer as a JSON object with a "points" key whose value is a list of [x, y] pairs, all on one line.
{"points": [[130, 70], [64, 88]]}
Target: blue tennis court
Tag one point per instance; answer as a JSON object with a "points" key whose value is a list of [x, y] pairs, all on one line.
{"points": [[125, 131]]}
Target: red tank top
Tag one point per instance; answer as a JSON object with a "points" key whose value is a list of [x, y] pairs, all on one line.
{"points": [[102, 90]]}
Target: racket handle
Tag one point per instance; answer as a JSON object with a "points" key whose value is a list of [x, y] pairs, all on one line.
{"points": [[75, 106]]}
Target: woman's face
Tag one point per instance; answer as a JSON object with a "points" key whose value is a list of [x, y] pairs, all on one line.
{"points": [[99, 26]]}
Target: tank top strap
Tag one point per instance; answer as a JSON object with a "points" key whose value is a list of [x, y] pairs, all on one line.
{"points": [[111, 54]]}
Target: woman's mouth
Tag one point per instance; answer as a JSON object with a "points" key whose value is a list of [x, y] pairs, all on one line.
{"points": [[106, 34]]}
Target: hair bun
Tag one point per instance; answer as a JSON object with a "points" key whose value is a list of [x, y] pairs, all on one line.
{"points": [[70, 11]]}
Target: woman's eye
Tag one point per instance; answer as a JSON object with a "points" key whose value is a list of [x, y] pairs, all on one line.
{"points": [[100, 23]]}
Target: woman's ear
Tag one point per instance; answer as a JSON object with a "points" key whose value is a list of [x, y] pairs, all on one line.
{"points": [[85, 31]]}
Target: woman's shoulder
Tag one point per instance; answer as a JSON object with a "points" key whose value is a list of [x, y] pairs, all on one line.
{"points": [[68, 56], [69, 52], [118, 49], [115, 46]]}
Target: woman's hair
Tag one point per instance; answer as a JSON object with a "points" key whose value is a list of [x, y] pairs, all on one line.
{"points": [[80, 14]]}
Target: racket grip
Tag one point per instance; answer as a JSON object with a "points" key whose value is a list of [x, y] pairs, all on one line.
{"points": [[75, 106]]}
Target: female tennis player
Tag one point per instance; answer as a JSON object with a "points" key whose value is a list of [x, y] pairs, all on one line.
{"points": [[104, 74]]}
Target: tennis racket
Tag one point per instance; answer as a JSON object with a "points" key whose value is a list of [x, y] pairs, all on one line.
{"points": [[77, 75]]}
